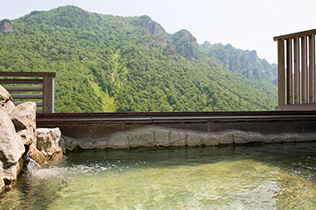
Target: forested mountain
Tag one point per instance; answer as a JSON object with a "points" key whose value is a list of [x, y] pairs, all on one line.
{"points": [[244, 62], [108, 63]]}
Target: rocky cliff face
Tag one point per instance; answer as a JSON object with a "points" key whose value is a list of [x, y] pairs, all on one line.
{"points": [[169, 50], [6, 27], [244, 62], [182, 42], [186, 44], [152, 27]]}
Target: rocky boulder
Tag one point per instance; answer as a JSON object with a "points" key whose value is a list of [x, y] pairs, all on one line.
{"points": [[11, 149], [8, 107], [24, 118], [36, 155], [18, 138], [11, 173], [48, 143], [11, 144]]}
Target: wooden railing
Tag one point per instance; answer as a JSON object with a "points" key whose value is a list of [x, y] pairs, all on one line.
{"points": [[31, 86], [296, 71]]}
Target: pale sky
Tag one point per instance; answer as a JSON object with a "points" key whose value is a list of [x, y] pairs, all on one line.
{"points": [[246, 24]]}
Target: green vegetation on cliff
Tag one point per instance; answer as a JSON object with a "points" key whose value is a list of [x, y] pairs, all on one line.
{"points": [[109, 63]]}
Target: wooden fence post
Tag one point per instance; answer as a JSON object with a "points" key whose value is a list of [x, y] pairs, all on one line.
{"points": [[48, 94]]}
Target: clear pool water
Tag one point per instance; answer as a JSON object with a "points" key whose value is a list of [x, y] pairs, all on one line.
{"points": [[275, 176]]}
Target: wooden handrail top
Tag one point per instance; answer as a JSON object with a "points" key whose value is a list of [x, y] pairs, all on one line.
{"points": [[21, 81], [28, 74], [294, 35]]}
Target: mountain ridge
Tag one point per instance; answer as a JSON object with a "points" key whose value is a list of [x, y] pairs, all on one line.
{"points": [[244, 62], [111, 63]]}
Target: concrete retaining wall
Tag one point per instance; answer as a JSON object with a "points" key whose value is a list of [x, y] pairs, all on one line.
{"points": [[132, 130], [153, 136]]}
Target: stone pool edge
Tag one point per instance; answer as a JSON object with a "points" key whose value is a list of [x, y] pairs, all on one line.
{"points": [[155, 136]]}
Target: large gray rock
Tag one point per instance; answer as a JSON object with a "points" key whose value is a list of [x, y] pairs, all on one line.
{"points": [[48, 142], [24, 118], [4, 96], [11, 145]]}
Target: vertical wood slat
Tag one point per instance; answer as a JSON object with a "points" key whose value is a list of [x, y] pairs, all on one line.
{"points": [[289, 71], [296, 71], [281, 73], [312, 68], [300, 70], [304, 81], [48, 94]]}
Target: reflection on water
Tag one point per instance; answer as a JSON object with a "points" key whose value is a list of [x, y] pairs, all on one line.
{"points": [[278, 176]]}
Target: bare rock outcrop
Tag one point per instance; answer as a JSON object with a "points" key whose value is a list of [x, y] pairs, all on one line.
{"points": [[186, 44], [6, 27], [170, 51], [244, 62], [153, 28]]}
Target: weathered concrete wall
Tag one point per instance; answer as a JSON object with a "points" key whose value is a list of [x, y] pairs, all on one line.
{"points": [[153, 136], [125, 130]]}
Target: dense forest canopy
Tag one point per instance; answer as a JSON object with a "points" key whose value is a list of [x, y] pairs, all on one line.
{"points": [[108, 63]]}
